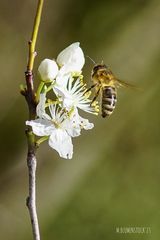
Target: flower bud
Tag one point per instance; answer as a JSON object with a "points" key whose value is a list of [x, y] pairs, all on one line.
{"points": [[48, 70], [72, 58]]}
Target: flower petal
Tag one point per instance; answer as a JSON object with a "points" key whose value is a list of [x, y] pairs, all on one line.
{"points": [[62, 78], [40, 110], [73, 95], [62, 143], [72, 58], [72, 127], [66, 97], [41, 127], [48, 70], [84, 123]]}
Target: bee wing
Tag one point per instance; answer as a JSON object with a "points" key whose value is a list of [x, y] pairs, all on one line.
{"points": [[121, 83]]}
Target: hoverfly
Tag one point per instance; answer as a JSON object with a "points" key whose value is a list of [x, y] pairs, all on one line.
{"points": [[106, 85]]}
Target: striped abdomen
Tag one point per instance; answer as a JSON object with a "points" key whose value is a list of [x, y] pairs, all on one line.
{"points": [[109, 99]]}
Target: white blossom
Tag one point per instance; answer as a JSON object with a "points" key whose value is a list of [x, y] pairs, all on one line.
{"points": [[71, 59], [40, 109], [74, 95], [55, 127], [79, 121], [48, 70], [59, 119]]}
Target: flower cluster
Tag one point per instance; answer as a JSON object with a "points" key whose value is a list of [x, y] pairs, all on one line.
{"points": [[58, 120]]}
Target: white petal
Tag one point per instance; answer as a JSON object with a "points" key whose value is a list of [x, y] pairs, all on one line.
{"points": [[74, 131], [62, 78], [68, 103], [40, 110], [48, 69], [62, 143], [72, 127], [66, 97], [41, 127], [85, 123], [72, 58]]}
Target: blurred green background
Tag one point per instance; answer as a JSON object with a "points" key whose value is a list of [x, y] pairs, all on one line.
{"points": [[113, 179]]}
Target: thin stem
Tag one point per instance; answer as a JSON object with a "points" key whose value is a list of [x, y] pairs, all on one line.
{"points": [[32, 42], [40, 140], [32, 103], [50, 87], [40, 87], [31, 199]]}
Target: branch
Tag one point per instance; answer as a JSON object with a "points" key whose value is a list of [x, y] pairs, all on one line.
{"points": [[32, 42], [30, 97], [31, 199]]}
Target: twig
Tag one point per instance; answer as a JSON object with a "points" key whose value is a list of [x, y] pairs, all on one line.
{"points": [[29, 94], [31, 199], [32, 42]]}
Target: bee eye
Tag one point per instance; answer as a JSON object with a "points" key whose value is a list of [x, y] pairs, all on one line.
{"points": [[95, 68]]}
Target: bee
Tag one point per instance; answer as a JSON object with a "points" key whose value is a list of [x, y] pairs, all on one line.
{"points": [[106, 84]]}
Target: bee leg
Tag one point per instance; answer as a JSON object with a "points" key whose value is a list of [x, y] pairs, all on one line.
{"points": [[97, 93], [90, 88]]}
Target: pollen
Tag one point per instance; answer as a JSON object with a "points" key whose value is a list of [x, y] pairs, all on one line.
{"points": [[87, 94], [56, 124]]}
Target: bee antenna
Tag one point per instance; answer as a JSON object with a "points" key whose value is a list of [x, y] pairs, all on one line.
{"points": [[91, 59]]}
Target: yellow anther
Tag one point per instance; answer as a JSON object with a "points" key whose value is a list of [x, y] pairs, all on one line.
{"points": [[57, 125], [87, 94]]}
